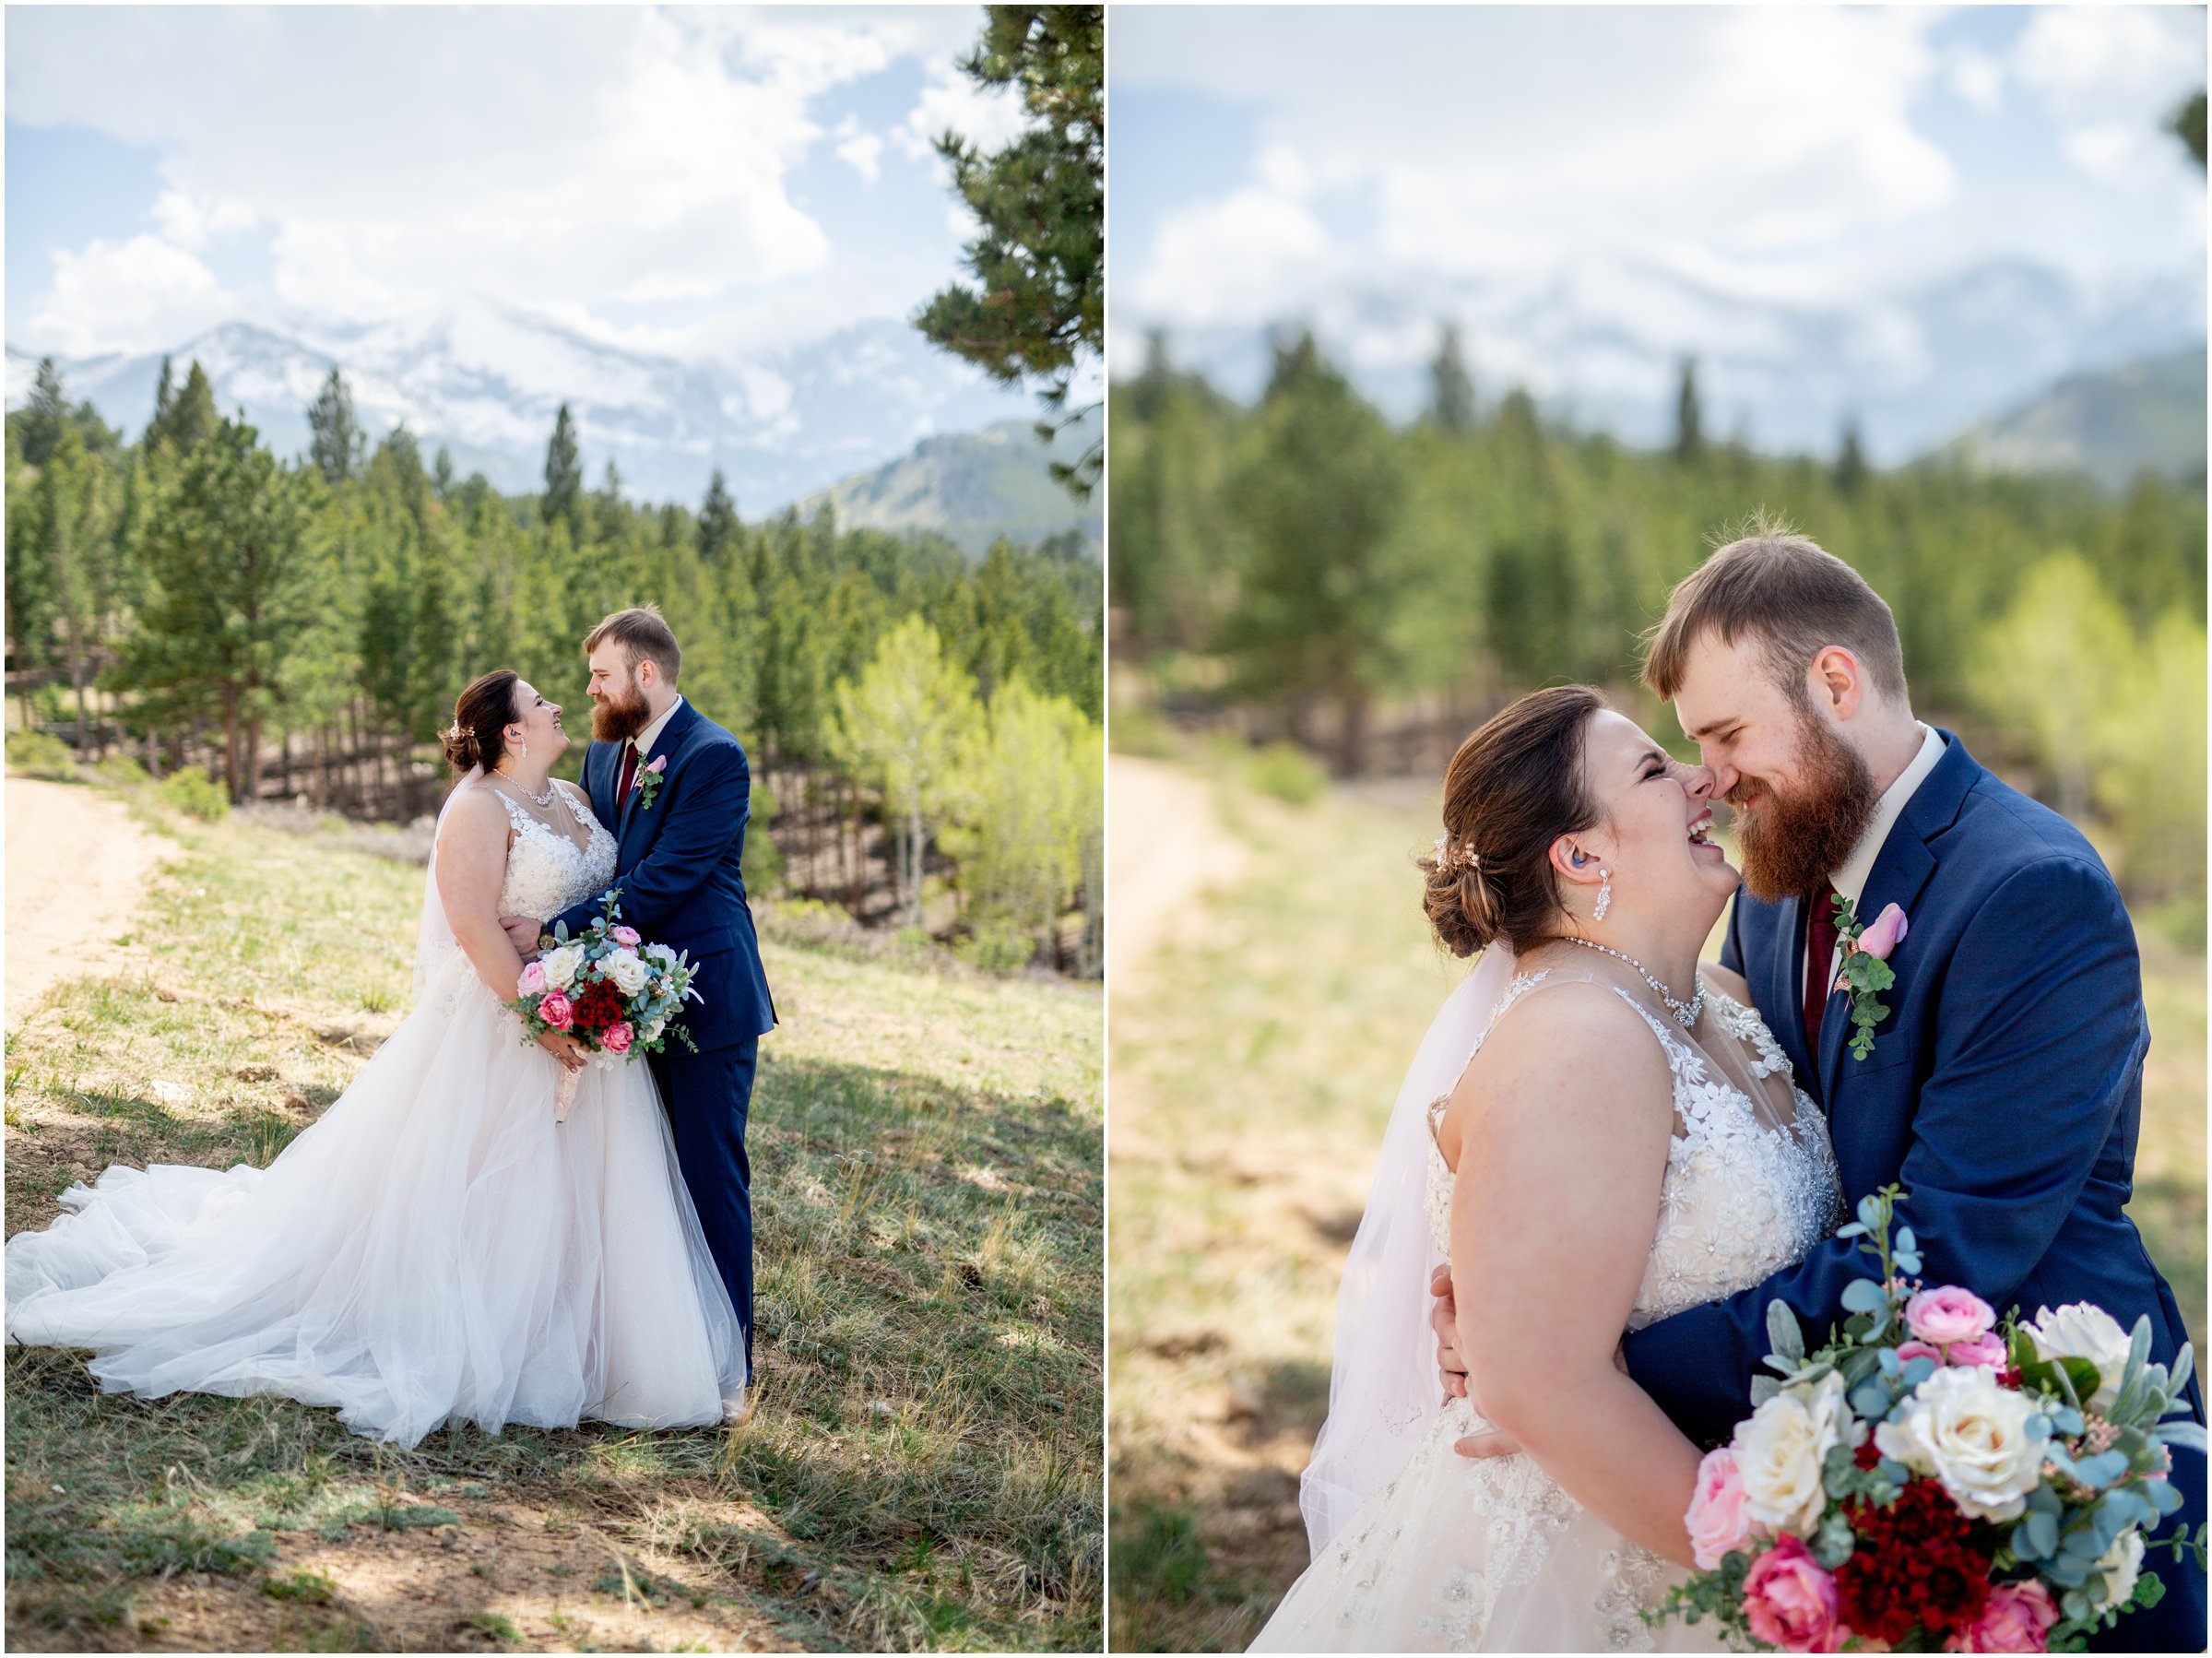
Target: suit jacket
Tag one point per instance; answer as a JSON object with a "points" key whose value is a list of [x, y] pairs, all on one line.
{"points": [[2004, 1091], [677, 864]]}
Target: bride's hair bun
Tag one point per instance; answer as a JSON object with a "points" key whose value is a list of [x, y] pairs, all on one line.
{"points": [[1513, 788], [481, 717]]}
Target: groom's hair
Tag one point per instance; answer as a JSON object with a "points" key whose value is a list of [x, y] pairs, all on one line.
{"points": [[642, 633], [1790, 597]]}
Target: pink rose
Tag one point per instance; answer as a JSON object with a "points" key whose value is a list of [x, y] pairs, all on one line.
{"points": [[1886, 933], [532, 979], [2016, 1618], [1948, 1315], [1791, 1602], [1908, 1351], [628, 935], [1988, 1350], [557, 1011], [616, 1039], [1716, 1517]]}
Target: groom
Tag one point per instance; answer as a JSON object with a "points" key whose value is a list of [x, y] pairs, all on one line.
{"points": [[2004, 1088], [675, 789]]}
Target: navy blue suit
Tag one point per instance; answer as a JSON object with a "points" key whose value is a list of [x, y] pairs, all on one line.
{"points": [[2004, 1093], [677, 863]]}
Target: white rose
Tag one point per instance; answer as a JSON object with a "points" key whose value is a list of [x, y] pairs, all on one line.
{"points": [[627, 973], [660, 952], [561, 966], [2122, 1564], [653, 1027], [2082, 1330], [1972, 1435], [1779, 1454]]}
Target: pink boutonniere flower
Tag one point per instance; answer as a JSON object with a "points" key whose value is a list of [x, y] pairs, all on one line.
{"points": [[1866, 970], [648, 781]]}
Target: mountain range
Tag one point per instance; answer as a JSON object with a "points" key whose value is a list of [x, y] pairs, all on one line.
{"points": [[975, 487], [485, 380], [2148, 413], [1600, 347]]}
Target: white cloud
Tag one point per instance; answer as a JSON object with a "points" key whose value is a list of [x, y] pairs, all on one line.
{"points": [[2112, 75], [988, 117], [1495, 144], [1978, 80], [559, 159], [127, 296]]}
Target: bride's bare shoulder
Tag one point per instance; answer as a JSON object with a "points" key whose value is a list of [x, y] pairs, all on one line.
{"points": [[1573, 1046]]}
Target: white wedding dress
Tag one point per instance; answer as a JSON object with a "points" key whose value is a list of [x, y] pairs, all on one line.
{"points": [[1454, 1555], [436, 1248]]}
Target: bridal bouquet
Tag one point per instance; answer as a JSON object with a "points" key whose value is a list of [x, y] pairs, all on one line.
{"points": [[1938, 1479], [606, 987]]}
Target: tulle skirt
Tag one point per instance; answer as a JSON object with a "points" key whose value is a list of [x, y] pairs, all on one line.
{"points": [[435, 1249], [1455, 1556]]}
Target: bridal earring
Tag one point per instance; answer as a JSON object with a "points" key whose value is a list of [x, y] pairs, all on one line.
{"points": [[1604, 893]]}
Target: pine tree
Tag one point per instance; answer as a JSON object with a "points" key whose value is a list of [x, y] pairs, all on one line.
{"points": [[1038, 308], [1451, 394], [165, 393], [190, 417], [607, 506], [337, 444], [442, 473], [1689, 434], [717, 521], [2188, 125], [45, 416], [565, 477], [229, 563], [1851, 461]]}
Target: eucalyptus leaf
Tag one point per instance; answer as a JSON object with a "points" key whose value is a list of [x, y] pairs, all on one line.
{"points": [[1783, 1334], [1905, 1239], [1871, 1399], [2039, 1531], [1864, 1294], [1764, 1388]]}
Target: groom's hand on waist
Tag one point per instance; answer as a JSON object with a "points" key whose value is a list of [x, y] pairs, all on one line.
{"points": [[522, 932], [1452, 1370]]}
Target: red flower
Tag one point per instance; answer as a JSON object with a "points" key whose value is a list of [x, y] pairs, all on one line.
{"points": [[599, 1006], [1916, 1566]]}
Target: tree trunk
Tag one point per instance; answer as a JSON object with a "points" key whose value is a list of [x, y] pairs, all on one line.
{"points": [[153, 753], [914, 844], [254, 757], [230, 777]]}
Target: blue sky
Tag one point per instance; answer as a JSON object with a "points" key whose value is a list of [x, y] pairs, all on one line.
{"points": [[1268, 163], [716, 182]]}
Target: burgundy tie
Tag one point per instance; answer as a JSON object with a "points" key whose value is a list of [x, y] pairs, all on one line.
{"points": [[1820, 946], [621, 796]]}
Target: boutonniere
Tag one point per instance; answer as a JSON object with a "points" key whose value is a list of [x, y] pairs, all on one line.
{"points": [[1866, 970], [648, 782]]}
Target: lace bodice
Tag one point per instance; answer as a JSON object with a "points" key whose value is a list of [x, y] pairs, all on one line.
{"points": [[545, 870], [1740, 1199]]}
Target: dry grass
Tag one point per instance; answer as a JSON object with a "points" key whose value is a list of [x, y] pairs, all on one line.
{"points": [[923, 1467], [1254, 1064]]}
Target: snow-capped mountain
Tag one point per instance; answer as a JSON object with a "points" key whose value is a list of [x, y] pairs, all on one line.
{"points": [[1601, 346], [485, 380]]}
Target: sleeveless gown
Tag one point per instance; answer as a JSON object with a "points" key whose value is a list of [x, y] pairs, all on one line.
{"points": [[1461, 1556], [434, 1248]]}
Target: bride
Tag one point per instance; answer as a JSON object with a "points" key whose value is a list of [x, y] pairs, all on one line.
{"points": [[436, 1248], [1589, 1150]]}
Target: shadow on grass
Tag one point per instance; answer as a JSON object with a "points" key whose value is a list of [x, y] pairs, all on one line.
{"points": [[923, 1467]]}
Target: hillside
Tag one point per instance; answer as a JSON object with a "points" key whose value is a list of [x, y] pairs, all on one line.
{"points": [[2148, 413], [922, 1467], [973, 487]]}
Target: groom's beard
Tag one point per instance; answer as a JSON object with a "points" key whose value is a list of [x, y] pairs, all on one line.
{"points": [[1800, 838], [621, 715]]}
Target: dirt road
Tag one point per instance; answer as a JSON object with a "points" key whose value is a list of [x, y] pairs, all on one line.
{"points": [[1165, 847], [76, 867]]}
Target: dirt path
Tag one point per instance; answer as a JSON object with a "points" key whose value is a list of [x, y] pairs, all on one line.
{"points": [[76, 867], [1165, 847]]}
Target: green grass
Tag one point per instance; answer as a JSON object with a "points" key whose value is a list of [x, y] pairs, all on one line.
{"points": [[923, 1467], [1253, 1073]]}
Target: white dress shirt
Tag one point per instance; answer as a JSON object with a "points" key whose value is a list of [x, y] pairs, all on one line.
{"points": [[1851, 879]]}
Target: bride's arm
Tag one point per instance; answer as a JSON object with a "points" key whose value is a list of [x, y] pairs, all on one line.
{"points": [[1559, 1139], [472, 867]]}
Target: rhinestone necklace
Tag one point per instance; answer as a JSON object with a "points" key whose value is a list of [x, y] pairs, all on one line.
{"points": [[546, 799], [1685, 1013]]}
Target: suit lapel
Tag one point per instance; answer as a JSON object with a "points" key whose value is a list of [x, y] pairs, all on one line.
{"points": [[595, 783], [1779, 989], [637, 825], [1900, 871]]}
